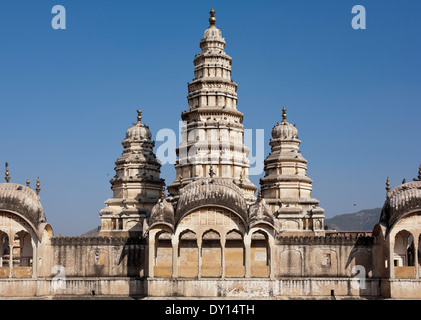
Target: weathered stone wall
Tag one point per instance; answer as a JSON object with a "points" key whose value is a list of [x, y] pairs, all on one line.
{"points": [[323, 256], [99, 257]]}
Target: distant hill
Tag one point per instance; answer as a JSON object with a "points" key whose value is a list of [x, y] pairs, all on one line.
{"points": [[363, 220], [91, 233]]}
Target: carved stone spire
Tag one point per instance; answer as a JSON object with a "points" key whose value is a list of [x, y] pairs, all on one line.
{"points": [[286, 187], [136, 186], [213, 129]]}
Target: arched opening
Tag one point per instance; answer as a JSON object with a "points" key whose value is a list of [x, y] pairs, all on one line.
{"points": [[234, 254], [163, 255], [211, 254], [188, 255], [260, 254], [404, 255], [22, 255], [4, 255], [419, 250]]}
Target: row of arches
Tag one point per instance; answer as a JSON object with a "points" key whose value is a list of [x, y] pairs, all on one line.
{"points": [[16, 254], [211, 255]]}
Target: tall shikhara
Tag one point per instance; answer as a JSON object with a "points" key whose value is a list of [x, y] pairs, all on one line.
{"points": [[212, 134]]}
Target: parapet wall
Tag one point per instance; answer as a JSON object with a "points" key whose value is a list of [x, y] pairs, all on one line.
{"points": [[99, 256]]}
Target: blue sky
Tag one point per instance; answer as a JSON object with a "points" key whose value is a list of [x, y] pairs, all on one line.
{"points": [[68, 96]]}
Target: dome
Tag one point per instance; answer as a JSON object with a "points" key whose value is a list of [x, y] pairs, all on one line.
{"points": [[24, 201], [162, 212], [207, 192], [139, 131], [400, 202], [284, 130]]}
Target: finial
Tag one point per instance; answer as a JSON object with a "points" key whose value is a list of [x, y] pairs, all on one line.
{"points": [[38, 189], [284, 114], [259, 195], [7, 178], [241, 177], [180, 178], [211, 172], [162, 193], [139, 115], [212, 19], [27, 183], [387, 185]]}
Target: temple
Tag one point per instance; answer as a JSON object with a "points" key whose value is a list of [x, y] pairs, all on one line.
{"points": [[211, 232]]}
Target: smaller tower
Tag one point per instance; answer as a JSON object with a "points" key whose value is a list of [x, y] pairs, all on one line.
{"points": [[286, 187], [136, 185]]}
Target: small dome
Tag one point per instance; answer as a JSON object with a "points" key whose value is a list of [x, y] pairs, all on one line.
{"points": [[22, 200], [162, 212], [139, 131], [401, 201], [208, 192], [284, 130]]}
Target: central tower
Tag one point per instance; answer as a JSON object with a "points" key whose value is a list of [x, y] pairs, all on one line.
{"points": [[212, 134]]}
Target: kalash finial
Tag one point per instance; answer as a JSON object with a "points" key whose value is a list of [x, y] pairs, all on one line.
{"points": [[139, 115], [162, 193], [38, 189], [28, 183], [7, 178], [212, 19], [284, 114], [387, 185]]}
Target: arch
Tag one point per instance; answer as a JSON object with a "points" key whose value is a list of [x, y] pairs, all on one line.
{"points": [[404, 255], [260, 254], [419, 250], [235, 216], [4, 255], [234, 254], [402, 249], [211, 253], [99, 261], [188, 254], [290, 263], [163, 255]]}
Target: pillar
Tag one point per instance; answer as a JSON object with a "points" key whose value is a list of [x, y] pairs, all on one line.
{"points": [[174, 256], [199, 249], [222, 239], [151, 254], [391, 262], [416, 256], [247, 243], [11, 244]]}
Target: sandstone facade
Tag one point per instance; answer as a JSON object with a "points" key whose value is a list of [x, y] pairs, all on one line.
{"points": [[211, 235]]}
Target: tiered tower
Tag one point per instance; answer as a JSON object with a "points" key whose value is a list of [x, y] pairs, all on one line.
{"points": [[212, 136], [136, 185], [285, 187]]}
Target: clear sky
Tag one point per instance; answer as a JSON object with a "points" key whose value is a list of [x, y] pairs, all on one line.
{"points": [[68, 96]]}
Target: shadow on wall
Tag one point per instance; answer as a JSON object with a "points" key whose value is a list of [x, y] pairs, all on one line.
{"points": [[133, 261], [361, 261]]}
